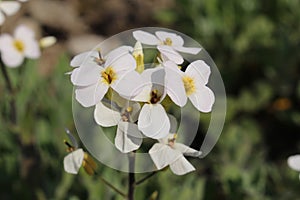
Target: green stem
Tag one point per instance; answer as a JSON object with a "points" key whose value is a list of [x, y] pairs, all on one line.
{"points": [[145, 178], [131, 178], [13, 111], [112, 187]]}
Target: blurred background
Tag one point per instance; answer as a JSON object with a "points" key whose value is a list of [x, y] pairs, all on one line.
{"points": [[256, 46]]}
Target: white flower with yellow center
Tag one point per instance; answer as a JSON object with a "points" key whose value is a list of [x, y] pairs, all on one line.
{"points": [[169, 44], [128, 138], [153, 120], [95, 75], [294, 163], [169, 152], [190, 84], [15, 49], [77, 158]]}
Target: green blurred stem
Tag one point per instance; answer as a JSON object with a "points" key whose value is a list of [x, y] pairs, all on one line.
{"points": [[13, 111], [131, 178], [145, 178], [112, 187]]}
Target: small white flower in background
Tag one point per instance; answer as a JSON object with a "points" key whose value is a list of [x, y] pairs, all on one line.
{"points": [[94, 75], [8, 8], [77, 158], [169, 152], [294, 162], [128, 137], [153, 120], [22, 45], [190, 84], [167, 43]]}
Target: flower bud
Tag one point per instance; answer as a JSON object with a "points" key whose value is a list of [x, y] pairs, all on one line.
{"points": [[138, 56]]}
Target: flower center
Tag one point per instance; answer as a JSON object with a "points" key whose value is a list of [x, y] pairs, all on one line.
{"points": [[108, 75], [126, 115], [19, 45], [154, 96], [189, 85], [171, 141], [168, 42]]}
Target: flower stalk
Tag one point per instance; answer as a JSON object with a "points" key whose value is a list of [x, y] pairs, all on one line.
{"points": [[131, 179]]}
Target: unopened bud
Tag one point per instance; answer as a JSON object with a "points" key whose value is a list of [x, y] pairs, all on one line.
{"points": [[89, 164], [47, 41], [139, 57]]}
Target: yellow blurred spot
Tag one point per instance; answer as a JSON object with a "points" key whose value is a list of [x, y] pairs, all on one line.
{"points": [[189, 85], [282, 104], [19, 45], [129, 109]]}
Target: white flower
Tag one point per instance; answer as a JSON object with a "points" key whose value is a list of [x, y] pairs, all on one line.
{"points": [[8, 8], [15, 49], [153, 120], [128, 137], [294, 162], [190, 84], [169, 152], [95, 75], [167, 43], [77, 158]]}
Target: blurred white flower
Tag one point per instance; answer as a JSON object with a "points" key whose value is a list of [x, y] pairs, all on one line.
{"points": [[169, 152], [128, 137], [15, 49], [94, 75], [8, 8], [77, 158], [167, 43], [294, 163], [190, 84], [153, 120]]}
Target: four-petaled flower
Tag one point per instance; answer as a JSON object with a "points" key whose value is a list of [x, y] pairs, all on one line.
{"points": [[167, 43], [294, 162], [95, 75], [153, 120], [128, 138], [169, 152], [15, 49], [190, 84]]}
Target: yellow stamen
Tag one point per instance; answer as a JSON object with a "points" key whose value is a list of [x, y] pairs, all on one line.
{"points": [[19, 45], [129, 109], [89, 164], [189, 85], [108, 75], [168, 42]]}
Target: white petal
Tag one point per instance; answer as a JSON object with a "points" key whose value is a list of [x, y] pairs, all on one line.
{"points": [[87, 74], [203, 99], [199, 70], [117, 53], [294, 162], [6, 41], [153, 121], [181, 166], [174, 84], [90, 95], [128, 84], [106, 117], [191, 50], [187, 151], [121, 63], [176, 39], [73, 161], [170, 53], [88, 56], [145, 38], [12, 58], [23, 32], [128, 137], [32, 48], [9, 7], [136, 107], [163, 155]]}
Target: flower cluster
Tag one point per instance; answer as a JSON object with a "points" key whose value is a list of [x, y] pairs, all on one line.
{"points": [[8, 8], [128, 96]]}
